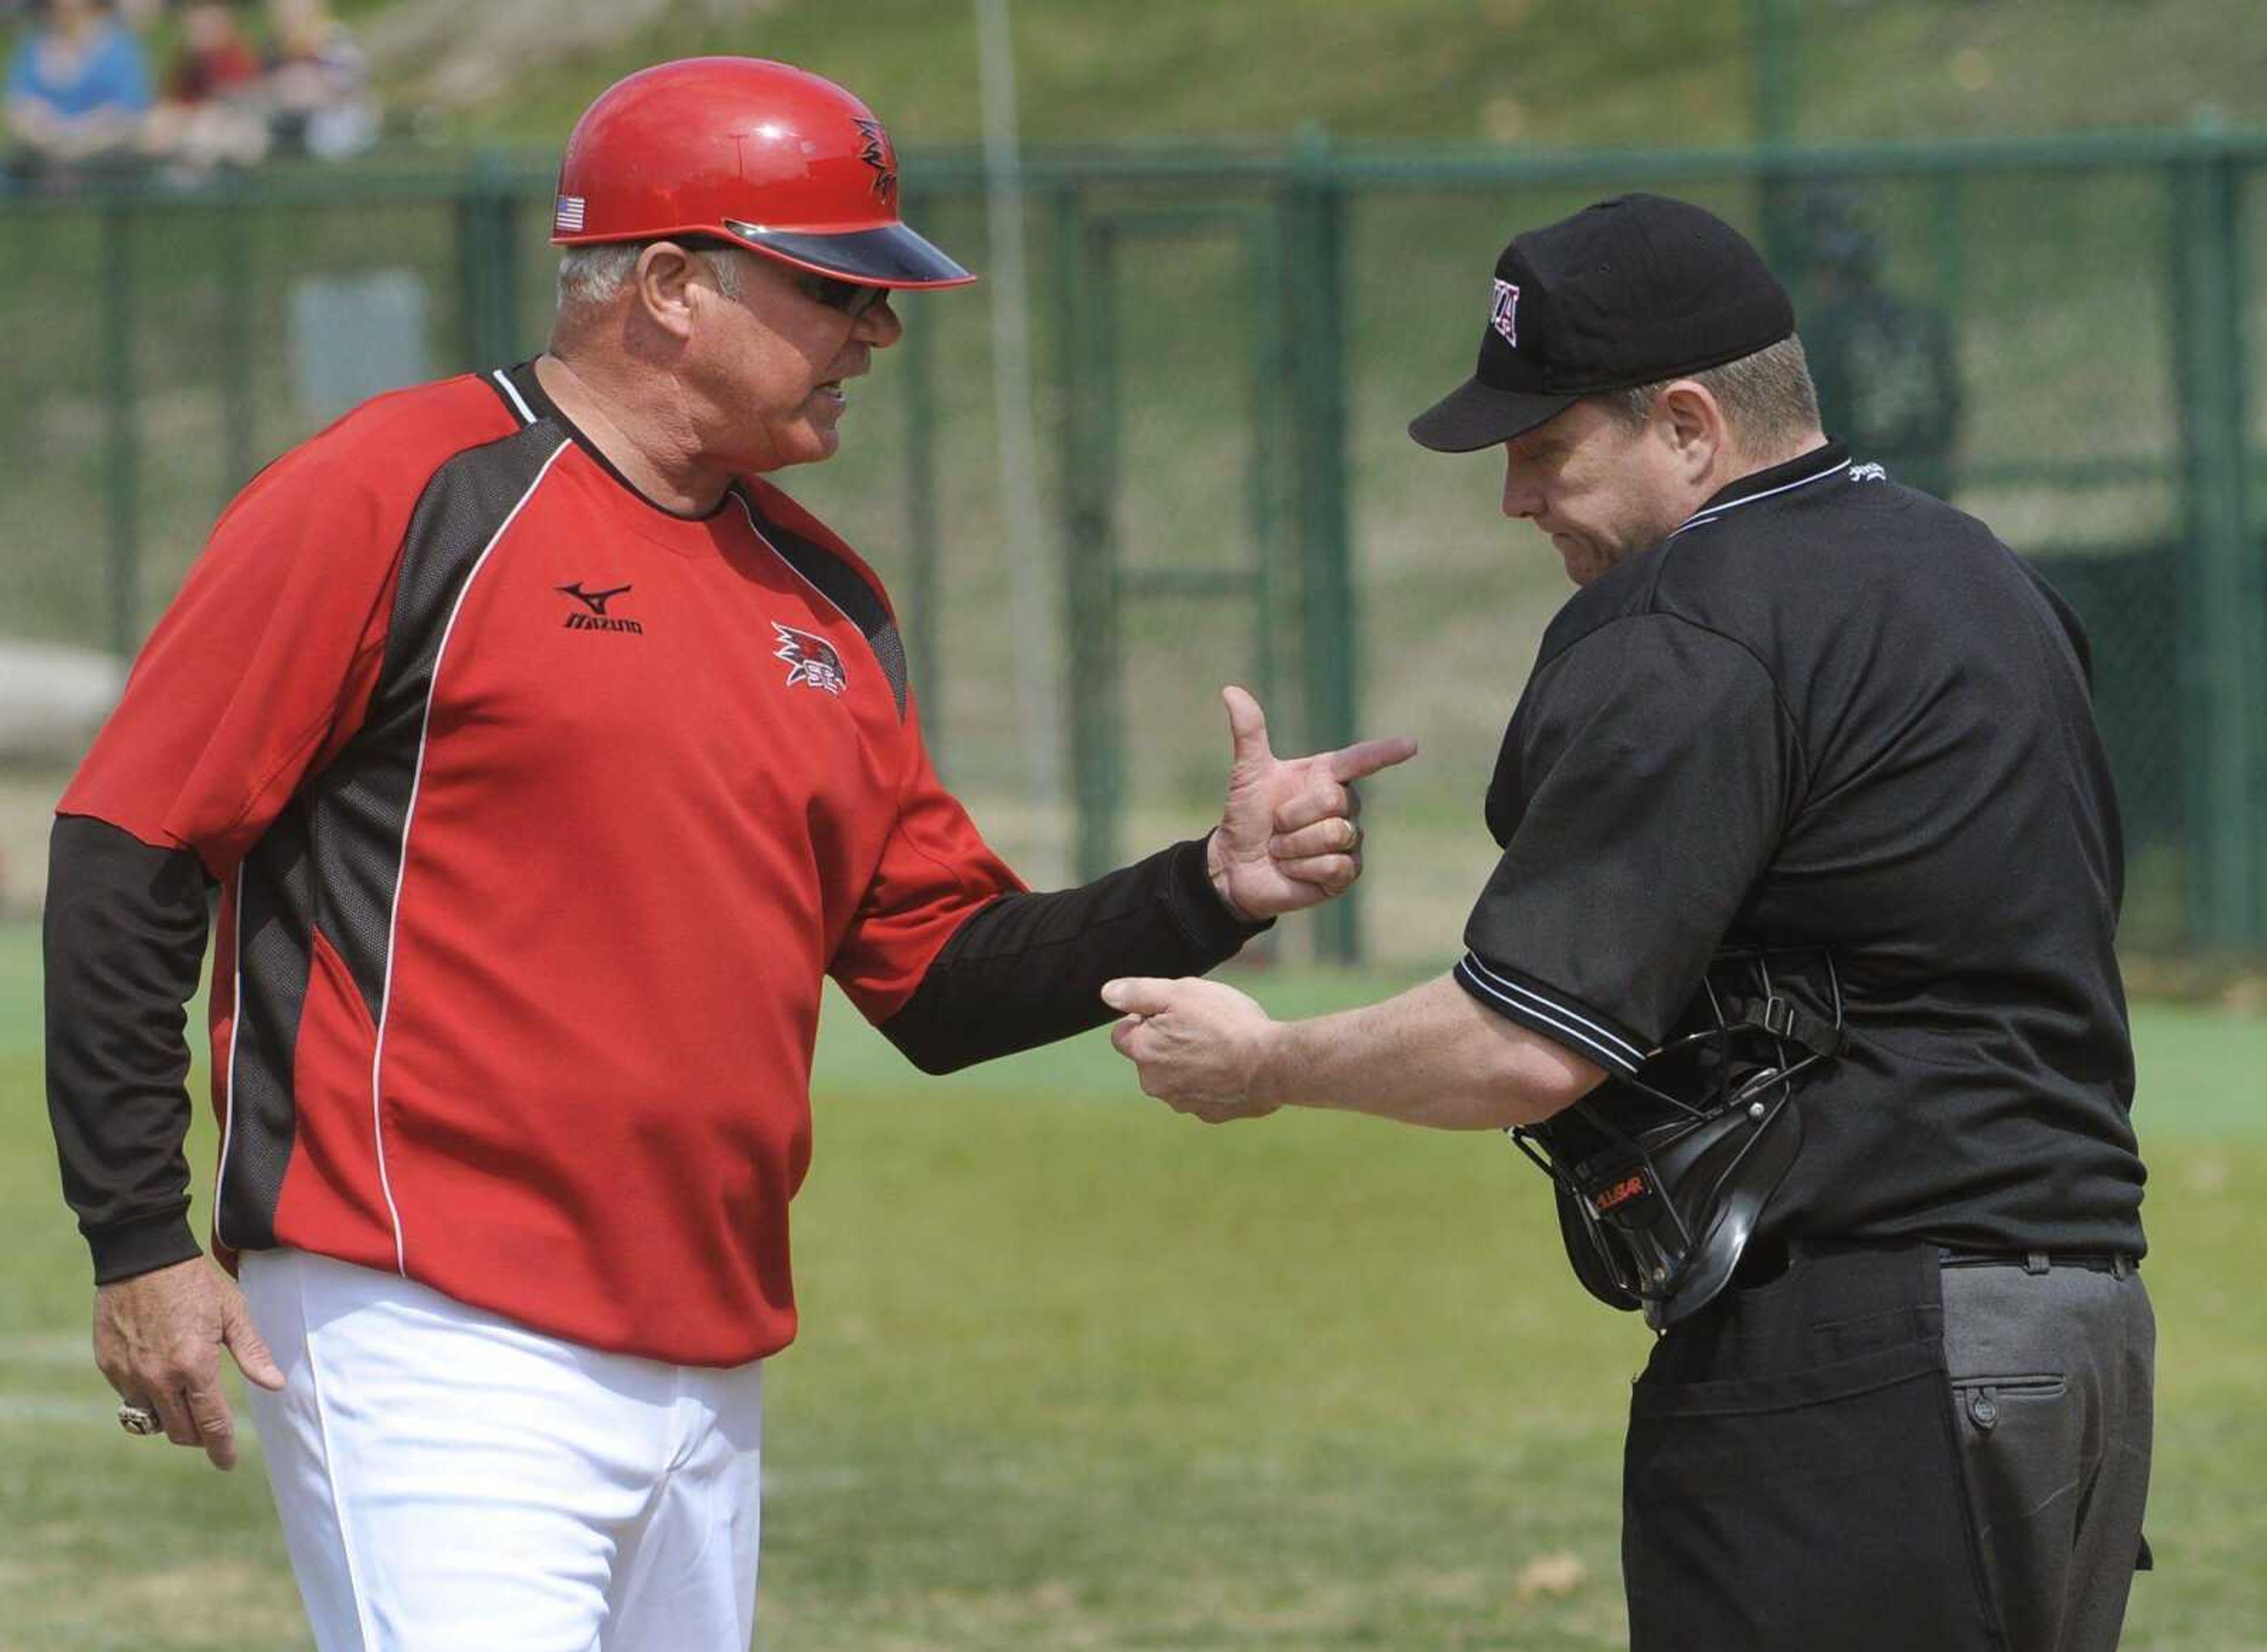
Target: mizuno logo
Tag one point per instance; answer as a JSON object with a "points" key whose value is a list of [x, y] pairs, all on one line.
{"points": [[596, 601], [598, 619], [813, 660]]}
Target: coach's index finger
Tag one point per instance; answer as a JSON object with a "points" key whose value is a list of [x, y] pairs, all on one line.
{"points": [[1367, 757]]}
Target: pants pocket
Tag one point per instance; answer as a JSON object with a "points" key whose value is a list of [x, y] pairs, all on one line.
{"points": [[1807, 1510], [1981, 1399], [2020, 1449]]}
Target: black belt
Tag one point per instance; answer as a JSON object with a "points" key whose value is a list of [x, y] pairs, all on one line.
{"points": [[2117, 1262]]}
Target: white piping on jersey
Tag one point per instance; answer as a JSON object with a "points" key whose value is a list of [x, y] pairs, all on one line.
{"points": [[754, 527], [1618, 1051], [235, 1026], [1839, 467], [512, 391], [401, 863]]}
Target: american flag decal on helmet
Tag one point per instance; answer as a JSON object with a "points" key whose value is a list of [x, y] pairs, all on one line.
{"points": [[569, 217]]}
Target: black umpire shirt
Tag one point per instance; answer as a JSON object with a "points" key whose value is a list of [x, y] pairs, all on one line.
{"points": [[1831, 711]]}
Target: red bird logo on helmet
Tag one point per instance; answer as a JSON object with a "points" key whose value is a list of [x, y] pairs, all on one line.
{"points": [[878, 153]]}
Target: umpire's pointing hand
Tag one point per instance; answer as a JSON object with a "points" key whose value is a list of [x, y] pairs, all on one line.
{"points": [[1290, 836]]}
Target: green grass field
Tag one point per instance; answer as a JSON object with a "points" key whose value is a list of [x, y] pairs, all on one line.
{"points": [[1079, 1374]]}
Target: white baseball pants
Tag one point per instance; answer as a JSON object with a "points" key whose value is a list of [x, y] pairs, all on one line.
{"points": [[451, 1481]]}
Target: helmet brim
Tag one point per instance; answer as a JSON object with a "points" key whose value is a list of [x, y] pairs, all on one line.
{"points": [[892, 255]]}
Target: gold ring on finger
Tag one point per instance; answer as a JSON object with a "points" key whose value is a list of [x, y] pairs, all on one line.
{"points": [[139, 1420]]}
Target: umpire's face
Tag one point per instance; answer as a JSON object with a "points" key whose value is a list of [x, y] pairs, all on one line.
{"points": [[1602, 489]]}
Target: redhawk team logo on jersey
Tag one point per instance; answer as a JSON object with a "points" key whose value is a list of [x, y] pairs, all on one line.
{"points": [[879, 153], [1504, 315], [813, 658]]}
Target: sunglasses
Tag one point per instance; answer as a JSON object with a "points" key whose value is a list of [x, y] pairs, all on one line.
{"points": [[848, 297]]}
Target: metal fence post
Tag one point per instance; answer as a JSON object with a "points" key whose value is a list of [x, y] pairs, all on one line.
{"points": [[1084, 362], [2225, 593], [487, 261], [238, 220], [123, 435], [1330, 660], [919, 372]]}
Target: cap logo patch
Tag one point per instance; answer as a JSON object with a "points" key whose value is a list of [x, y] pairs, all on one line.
{"points": [[882, 156], [569, 217], [1503, 316], [811, 659]]}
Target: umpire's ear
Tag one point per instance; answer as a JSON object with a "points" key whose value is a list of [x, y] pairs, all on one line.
{"points": [[1689, 421]]}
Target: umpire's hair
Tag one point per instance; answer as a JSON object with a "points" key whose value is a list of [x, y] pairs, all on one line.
{"points": [[596, 275], [1767, 398]]}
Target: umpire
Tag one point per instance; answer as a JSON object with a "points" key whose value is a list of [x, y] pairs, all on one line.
{"points": [[1797, 971]]}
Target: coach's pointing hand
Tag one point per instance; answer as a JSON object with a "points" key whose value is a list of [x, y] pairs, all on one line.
{"points": [[1289, 837], [157, 1339], [1199, 1046]]}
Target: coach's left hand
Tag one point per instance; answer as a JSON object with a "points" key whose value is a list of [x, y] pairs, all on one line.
{"points": [[1201, 1048], [1291, 835], [157, 1338]]}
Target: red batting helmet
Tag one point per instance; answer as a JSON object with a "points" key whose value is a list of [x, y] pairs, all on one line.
{"points": [[780, 161]]}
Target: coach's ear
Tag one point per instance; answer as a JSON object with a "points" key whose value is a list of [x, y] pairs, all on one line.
{"points": [[1687, 419], [665, 288]]}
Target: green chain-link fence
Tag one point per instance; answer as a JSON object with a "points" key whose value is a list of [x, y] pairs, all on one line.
{"points": [[2059, 336]]}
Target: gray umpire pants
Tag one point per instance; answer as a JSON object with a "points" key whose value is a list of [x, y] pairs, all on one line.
{"points": [[2053, 1381]]}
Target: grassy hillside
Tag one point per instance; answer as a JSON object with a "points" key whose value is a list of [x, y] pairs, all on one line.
{"points": [[1542, 72]]}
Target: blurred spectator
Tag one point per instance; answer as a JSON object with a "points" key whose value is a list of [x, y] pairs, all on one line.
{"points": [[214, 111], [79, 90], [318, 83], [1887, 379]]}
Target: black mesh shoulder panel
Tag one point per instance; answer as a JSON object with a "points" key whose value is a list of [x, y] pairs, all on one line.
{"points": [[845, 587], [361, 803], [332, 860]]}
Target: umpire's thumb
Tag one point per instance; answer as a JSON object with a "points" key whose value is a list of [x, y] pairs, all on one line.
{"points": [[246, 1343]]}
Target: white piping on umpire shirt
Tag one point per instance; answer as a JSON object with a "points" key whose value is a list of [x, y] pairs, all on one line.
{"points": [[401, 863], [1610, 1047], [1699, 517]]}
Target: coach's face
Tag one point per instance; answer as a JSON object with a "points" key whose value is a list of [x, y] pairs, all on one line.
{"points": [[1601, 488], [771, 368]]}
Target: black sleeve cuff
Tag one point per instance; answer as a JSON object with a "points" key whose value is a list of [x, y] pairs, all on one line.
{"points": [[1203, 916], [127, 1248], [1564, 1021], [1028, 969]]}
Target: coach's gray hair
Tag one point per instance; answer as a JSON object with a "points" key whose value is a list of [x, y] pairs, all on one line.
{"points": [[596, 275], [1767, 398]]}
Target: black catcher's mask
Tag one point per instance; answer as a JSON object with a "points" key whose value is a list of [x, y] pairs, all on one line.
{"points": [[1662, 1178]]}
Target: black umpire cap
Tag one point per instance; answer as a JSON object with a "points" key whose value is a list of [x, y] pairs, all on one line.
{"points": [[1628, 292]]}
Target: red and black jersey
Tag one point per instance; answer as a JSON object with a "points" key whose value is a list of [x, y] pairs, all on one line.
{"points": [[538, 813]]}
